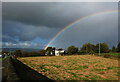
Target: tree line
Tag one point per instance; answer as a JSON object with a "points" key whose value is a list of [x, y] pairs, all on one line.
{"points": [[86, 48], [91, 49]]}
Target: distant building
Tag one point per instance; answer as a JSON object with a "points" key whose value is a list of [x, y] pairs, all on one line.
{"points": [[59, 52], [55, 52]]}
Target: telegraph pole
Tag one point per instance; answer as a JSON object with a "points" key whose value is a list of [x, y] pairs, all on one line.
{"points": [[99, 48]]}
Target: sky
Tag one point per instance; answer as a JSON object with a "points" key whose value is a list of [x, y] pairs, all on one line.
{"points": [[59, 0], [34, 24]]}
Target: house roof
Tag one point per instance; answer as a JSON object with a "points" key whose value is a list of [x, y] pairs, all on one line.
{"points": [[60, 49]]}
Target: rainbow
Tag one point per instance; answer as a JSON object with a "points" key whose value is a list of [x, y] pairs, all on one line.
{"points": [[77, 21]]}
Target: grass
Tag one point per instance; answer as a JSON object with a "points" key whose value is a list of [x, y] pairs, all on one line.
{"points": [[112, 55], [78, 67], [3, 59]]}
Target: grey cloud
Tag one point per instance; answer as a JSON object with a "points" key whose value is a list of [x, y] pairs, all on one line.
{"points": [[86, 31], [27, 32], [51, 14], [6, 38], [27, 21]]}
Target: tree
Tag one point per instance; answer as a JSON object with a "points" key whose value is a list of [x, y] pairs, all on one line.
{"points": [[53, 50], [18, 53], [87, 48], [103, 48], [118, 47], [25, 53], [50, 50], [84, 48], [113, 49], [42, 52], [34, 53], [72, 50]]}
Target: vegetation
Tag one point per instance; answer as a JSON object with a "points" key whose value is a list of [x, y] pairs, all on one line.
{"points": [[72, 50], [42, 52], [103, 48], [118, 47], [18, 53], [113, 49], [50, 50], [74, 67], [3, 59], [85, 49]]}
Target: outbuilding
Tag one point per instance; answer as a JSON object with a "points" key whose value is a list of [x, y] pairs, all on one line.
{"points": [[59, 52]]}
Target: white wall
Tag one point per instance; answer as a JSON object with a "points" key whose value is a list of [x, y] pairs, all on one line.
{"points": [[57, 52]]}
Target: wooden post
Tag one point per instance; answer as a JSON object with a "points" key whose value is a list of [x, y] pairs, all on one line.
{"points": [[99, 48]]}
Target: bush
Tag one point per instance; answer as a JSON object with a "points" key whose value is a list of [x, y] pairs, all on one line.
{"points": [[91, 52], [81, 53], [107, 56]]}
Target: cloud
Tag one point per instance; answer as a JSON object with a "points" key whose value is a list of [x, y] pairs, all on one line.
{"points": [[60, 0], [86, 31], [51, 14], [23, 32], [21, 45], [37, 23], [6, 38]]}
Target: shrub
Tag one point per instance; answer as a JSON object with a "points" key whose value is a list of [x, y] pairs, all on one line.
{"points": [[91, 52], [81, 53]]}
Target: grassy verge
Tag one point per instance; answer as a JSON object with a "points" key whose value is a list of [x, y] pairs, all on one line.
{"points": [[3, 59]]}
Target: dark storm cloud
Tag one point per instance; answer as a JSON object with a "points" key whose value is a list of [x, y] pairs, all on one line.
{"points": [[8, 39], [51, 14], [27, 32], [25, 21], [92, 32]]}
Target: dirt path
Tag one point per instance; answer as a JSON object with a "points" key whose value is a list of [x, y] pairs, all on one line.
{"points": [[8, 71]]}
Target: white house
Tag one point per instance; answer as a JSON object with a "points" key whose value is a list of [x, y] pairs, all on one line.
{"points": [[59, 52], [56, 52]]}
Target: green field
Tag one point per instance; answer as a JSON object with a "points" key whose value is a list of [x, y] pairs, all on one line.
{"points": [[75, 67]]}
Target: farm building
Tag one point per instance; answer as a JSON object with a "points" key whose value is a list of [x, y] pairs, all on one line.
{"points": [[52, 51], [59, 52]]}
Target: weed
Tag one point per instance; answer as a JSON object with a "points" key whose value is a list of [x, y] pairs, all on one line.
{"points": [[72, 74], [57, 66], [80, 74], [34, 64], [102, 65], [86, 76], [81, 78], [24, 60], [98, 70], [85, 67]]}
